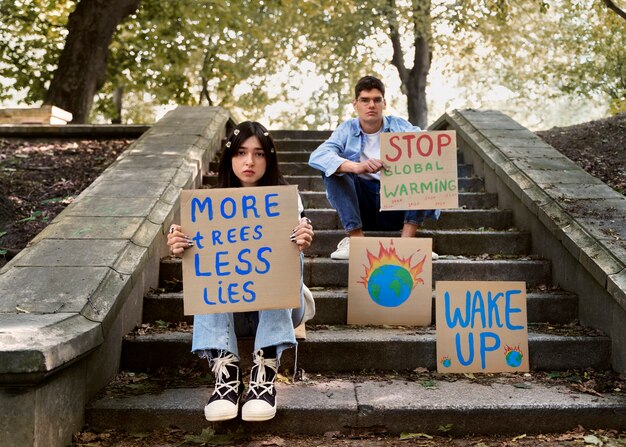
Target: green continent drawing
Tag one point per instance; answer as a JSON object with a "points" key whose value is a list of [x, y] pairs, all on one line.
{"points": [[390, 285]]}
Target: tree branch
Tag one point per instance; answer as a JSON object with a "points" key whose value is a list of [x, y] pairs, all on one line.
{"points": [[611, 5]]}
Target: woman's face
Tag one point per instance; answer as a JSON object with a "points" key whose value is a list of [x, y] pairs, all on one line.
{"points": [[249, 162]]}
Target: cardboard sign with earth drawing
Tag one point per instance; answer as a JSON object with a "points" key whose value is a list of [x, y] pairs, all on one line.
{"points": [[481, 326], [390, 281]]}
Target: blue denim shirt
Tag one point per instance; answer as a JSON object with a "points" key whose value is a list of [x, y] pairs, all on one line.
{"points": [[347, 142]]}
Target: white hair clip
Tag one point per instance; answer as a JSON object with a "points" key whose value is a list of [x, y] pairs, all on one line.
{"points": [[228, 144], [267, 134], [236, 132]]}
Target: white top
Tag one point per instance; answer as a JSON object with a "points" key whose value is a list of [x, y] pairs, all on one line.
{"points": [[371, 150]]}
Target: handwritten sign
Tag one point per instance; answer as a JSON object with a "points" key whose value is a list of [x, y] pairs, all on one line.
{"points": [[390, 281], [481, 326], [421, 170], [243, 259]]}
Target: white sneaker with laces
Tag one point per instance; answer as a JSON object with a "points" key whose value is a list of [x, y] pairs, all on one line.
{"points": [[343, 250], [260, 402]]}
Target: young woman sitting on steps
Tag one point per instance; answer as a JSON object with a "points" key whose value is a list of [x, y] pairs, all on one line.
{"points": [[248, 160]]}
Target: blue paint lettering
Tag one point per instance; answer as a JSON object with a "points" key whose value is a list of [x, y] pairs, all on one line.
{"points": [[257, 232], [206, 298], [197, 239], [260, 257], [216, 237], [219, 264], [219, 293], [251, 296], [478, 308], [484, 349], [243, 233], [196, 261], [206, 203], [269, 205], [457, 317], [232, 293], [233, 208], [248, 203], [511, 310], [248, 265], [470, 345], [231, 235], [492, 308]]}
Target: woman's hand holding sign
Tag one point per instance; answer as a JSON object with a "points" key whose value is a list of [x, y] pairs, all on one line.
{"points": [[177, 241], [303, 234]]}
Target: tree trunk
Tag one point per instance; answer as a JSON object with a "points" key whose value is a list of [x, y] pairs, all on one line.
{"points": [[81, 70], [413, 80], [118, 97], [416, 84]]}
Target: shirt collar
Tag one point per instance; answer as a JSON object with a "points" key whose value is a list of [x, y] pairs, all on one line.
{"points": [[357, 131]]}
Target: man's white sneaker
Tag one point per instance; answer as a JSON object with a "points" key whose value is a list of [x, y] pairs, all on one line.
{"points": [[435, 256], [343, 250]]}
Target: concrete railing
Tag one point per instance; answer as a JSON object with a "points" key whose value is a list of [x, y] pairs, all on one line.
{"points": [[67, 300], [575, 220]]}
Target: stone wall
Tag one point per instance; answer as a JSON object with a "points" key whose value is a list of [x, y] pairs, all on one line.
{"points": [[67, 300], [576, 220]]}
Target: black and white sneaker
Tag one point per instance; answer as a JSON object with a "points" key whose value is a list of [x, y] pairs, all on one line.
{"points": [[224, 402], [260, 402]]}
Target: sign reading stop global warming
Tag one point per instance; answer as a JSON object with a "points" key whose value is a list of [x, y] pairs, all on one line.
{"points": [[481, 326], [421, 170], [390, 281], [243, 259]]}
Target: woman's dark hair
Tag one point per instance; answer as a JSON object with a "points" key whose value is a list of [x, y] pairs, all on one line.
{"points": [[227, 178], [368, 83]]}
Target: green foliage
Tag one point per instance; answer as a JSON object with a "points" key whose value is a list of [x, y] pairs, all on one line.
{"points": [[227, 53], [32, 35]]}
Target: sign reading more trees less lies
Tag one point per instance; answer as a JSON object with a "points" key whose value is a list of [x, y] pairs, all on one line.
{"points": [[242, 258], [421, 171]]}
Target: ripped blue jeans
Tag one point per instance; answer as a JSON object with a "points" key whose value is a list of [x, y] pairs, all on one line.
{"points": [[270, 328]]}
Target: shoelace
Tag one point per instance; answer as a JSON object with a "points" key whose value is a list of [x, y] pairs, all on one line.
{"points": [[259, 385], [221, 372]]}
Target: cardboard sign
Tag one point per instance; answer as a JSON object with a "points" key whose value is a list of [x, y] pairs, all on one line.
{"points": [[243, 259], [481, 326], [421, 170], [390, 281]]}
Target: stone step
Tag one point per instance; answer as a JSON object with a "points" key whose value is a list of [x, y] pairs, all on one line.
{"points": [[287, 154], [356, 348], [325, 272], [296, 134], [502, 405], [445, 242], [467, 200], [332, 307], [303, 168], [493, 219], [315, 182]]}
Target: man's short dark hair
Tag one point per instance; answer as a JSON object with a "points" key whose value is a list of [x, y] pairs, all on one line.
{"points": [[368, 83]]}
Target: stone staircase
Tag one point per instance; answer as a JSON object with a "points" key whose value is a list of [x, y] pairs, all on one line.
{"points": [[352, 378]]}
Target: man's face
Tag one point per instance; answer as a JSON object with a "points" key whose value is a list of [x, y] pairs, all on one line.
{"points": [[369, 107]]}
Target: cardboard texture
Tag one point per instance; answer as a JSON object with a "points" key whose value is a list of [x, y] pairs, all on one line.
{"points": [[421, 170], [482, 326], [243, 259], [390, 281]]}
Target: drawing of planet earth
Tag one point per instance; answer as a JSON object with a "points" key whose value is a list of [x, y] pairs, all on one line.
{"points": [[390, 285]]}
